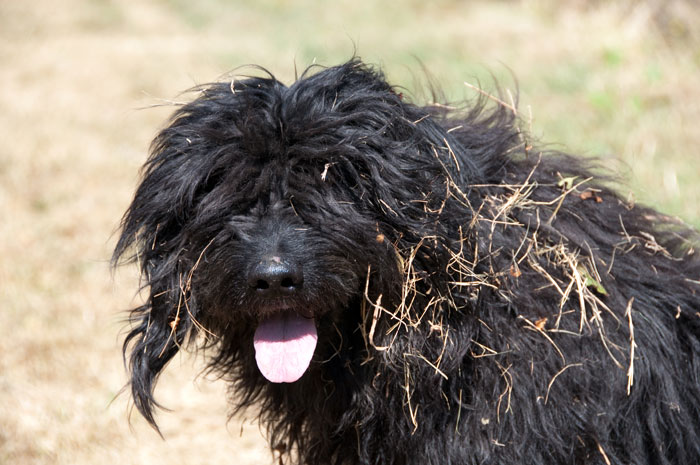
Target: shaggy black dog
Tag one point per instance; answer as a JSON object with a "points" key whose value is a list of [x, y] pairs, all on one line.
{"points": [[388, 283]]}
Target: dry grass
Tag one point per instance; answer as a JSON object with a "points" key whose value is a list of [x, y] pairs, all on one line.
{"points": [[73, 140], [575, 278]]}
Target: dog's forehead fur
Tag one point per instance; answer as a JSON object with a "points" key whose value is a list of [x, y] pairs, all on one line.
{"points": [[477, 299], [343, 127]]}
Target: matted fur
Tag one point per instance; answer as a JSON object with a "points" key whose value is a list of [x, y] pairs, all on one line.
{"points": [[477, 300]]}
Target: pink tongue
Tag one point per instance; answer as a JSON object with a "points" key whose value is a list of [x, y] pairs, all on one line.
{"points": [[284, 345]]}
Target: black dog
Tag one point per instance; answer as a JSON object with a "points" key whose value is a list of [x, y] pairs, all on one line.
{"points": [[396, 284]]}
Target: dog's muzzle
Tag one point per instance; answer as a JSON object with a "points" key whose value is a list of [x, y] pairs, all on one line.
{"points": [[285, 339]]}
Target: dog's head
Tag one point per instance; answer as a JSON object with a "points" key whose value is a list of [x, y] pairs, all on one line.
{"points": [[266, 210]]}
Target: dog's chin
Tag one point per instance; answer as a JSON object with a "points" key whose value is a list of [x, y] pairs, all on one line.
{"points": [[285, 340]]}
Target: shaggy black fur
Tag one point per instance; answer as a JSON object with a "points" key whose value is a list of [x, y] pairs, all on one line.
{"points": [[477, 300]]}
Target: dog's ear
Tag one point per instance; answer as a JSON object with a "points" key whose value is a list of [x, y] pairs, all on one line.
{"points": [[156, 233], [153, 235]]}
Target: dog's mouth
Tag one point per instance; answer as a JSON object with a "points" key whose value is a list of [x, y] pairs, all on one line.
{"points": [[284, 345]]}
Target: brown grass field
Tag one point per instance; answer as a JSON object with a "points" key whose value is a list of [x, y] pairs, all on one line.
{"points": [[81, 82]]}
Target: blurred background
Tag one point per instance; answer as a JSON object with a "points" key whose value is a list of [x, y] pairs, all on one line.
{"points": [[82, 89]]}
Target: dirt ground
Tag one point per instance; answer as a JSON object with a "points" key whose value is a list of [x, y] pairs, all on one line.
{"points": [[85, 84]]}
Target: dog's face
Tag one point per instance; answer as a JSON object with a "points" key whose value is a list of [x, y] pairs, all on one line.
{"points": [[267, 213], [273, 274]]}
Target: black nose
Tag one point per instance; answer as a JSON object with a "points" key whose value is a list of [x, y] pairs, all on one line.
{"points": [[275, 277]]}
